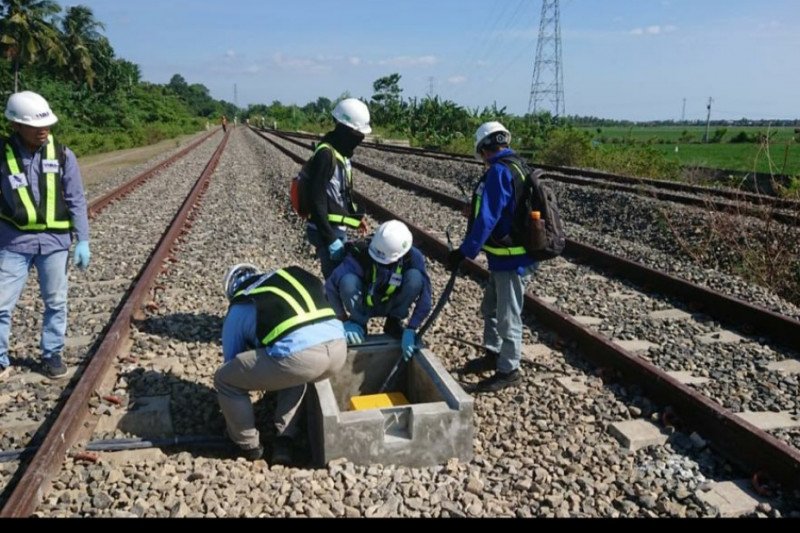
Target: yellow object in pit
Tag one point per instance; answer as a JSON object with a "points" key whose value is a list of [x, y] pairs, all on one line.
{"points": [[378, 401]]}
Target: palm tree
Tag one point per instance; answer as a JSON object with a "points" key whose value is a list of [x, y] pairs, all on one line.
{"points": [[26, 33], [84, 44]]}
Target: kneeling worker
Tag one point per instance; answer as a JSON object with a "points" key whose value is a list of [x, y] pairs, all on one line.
{"points": [[279, 334], [382, 278]]}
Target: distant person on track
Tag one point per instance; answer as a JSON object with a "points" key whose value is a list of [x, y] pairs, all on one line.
{"points": [[494, 201], [279, 334], [330, 184], [382, 277], [41, 204], [224, 124]]}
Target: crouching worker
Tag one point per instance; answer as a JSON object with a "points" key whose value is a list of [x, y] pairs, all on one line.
{"points": [[279, 334], [382, 277]]}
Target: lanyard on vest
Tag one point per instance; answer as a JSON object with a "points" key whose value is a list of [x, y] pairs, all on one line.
{"points": [[303, 313], [394, 282], [49, 167]]}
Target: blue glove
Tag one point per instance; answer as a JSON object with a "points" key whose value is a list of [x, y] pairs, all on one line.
{"points": [[82, 255], [336, 249], [353, 332], [409, 343]]}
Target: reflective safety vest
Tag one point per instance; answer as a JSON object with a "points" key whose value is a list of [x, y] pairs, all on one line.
{"points": [[19, 208], [285, 301], [346, 172], [370, 267], [508, 246]]}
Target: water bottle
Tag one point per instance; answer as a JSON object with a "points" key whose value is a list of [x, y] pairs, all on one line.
{"points": [[537, 237]]}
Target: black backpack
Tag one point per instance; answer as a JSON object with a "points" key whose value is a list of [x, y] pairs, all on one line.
{"points": [[544, 238]]}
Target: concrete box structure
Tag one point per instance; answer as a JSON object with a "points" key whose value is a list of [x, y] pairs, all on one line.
{"points": [[436, 426]]}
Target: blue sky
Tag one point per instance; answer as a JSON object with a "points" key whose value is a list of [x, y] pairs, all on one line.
{"points": [[632, 59]]}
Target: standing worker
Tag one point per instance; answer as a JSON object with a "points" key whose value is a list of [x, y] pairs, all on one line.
{"points": [[279, 334], [41, 203], [494, 203], [382, 278], [329, 187], [224, 124]]}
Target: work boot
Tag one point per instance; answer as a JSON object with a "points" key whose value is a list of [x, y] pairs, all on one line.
{"points": [[282, 450], [53, 367], [483, 364], [498, 381], [393, 327], [251, 454]]}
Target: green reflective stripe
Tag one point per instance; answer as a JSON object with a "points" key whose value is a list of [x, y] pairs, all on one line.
{"points": [[294, 321], [391, 290], [346, 220], [283, 294], [513, 250], [299, 288], [23, 193]]}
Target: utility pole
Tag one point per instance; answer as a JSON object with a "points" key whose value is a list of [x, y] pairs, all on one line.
{"points": [[708, 119], [683, 112], [235, 96], [547, 86]]}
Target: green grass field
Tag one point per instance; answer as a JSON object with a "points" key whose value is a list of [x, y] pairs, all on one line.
{"points": [[784, 151]]}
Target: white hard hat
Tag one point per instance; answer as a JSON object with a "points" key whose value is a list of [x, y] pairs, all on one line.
{"points": [[354, 114], [235, 276], [391, 241], [491, 133], [30, 109]]}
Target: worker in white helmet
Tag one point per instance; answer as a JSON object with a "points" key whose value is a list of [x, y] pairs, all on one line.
{"points": [[383, 277], [329, 187], [42, 204]]}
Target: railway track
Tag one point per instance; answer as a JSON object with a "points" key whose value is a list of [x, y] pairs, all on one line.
{"points": [[561, 462]]}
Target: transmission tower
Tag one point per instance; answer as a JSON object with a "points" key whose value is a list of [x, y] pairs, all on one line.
{"points": [[547, 87]]}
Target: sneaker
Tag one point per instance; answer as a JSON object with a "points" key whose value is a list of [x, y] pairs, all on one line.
{"points": [[53, 367], [484, 364], [252, 454], [498, 381], [393, 327], [282, 450]]}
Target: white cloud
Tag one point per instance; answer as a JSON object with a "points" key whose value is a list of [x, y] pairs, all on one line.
{"points": [[318, 64], [230, 54], [456, 80], [409, 61], [252, 69], [355, 61], [654, 29]]}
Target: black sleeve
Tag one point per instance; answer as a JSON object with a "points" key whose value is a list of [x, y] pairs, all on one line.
{"points": [[320, 171]]}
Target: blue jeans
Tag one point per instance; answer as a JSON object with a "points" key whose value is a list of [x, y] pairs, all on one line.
{"points": [[316, 240], [351, 294], [502, 316], [52, 270]]}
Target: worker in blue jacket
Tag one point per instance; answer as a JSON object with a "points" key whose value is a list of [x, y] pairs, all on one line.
{"points": [[382, 278], [492, 213]]}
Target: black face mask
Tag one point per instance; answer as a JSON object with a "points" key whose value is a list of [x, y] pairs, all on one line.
{"points": [[344, 139]]}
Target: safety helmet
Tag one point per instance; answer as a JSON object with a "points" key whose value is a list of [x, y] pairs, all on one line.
{"points": [[354, 114], [30, 109], [235, 276], [391, 241], [491, 133]]}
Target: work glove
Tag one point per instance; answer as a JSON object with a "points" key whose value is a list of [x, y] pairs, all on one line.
{"points": [[336, 250], [454, 259], [82, 255], [353, 332], [409, 344]]}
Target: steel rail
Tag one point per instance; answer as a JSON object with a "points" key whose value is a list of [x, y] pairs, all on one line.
{"points": [[740, 441]]}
